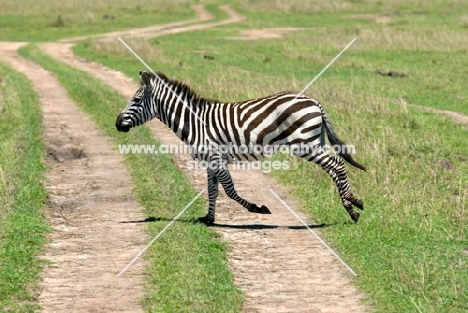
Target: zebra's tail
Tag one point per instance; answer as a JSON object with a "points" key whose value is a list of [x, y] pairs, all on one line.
{"points": [[343, 150]]}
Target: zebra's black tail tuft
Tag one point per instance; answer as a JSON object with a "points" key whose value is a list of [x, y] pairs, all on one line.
{"points": [[334, 140]]}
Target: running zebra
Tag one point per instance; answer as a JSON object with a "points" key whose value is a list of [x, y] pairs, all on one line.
{"points": [[284, 119]]}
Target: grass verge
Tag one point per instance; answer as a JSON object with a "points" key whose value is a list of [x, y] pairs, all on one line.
{"points": [[22, 194], [187, 267]]}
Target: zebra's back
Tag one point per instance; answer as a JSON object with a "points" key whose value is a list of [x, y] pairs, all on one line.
{"points": [[272, 121]]}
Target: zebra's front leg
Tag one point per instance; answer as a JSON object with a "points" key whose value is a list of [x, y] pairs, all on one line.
{"points": [[212, 195], [225, 179]]}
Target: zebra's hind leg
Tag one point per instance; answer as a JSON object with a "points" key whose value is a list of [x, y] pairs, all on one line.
{"points": [[343, 178], [225, 179], [335, 167], [212, 195]]}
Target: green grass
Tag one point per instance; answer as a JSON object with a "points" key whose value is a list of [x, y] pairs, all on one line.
{"points": [[407, 247], [45, 20], [187, 267], [22, 194]]}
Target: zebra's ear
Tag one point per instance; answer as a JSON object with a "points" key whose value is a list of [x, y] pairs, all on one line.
{"points": [[141, 79], [145, 78]]}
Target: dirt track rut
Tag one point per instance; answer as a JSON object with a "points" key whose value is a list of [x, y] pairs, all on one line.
{"points": [[278, 264], [89, 194], [203, 16]]}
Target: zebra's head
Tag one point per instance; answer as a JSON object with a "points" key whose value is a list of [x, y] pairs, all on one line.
{"points": [[138, 111]]}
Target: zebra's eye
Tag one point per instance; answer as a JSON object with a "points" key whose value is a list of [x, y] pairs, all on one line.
{"points": [[136, 99]]}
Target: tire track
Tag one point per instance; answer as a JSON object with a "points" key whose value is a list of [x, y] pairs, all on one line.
{"points": [[278, 264], [89, 194], [203, 16]]}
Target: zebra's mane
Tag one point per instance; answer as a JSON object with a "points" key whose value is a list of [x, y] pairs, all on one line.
{"points": [[181, 88], [195, 99]]}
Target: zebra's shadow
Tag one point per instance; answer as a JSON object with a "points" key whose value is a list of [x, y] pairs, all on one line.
{"points": [[156, 219], [234, 226], [264, 226]]}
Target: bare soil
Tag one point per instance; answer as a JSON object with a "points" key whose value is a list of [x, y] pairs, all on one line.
{"points": [[233, 17], [264, 33], [280, 266], [454, 116], [89, 195]]}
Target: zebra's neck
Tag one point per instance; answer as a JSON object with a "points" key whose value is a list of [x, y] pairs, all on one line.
{"points": [[179, 107]]}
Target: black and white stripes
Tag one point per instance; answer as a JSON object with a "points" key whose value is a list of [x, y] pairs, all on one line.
{"points": [[283, 119]]}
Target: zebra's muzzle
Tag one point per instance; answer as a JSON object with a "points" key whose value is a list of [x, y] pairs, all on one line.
{"points": [[121, 125]]}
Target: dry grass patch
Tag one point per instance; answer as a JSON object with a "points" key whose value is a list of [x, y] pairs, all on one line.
{"points": [[238, 85], [351, 6], [141, 46], [372, 38], [83, 9], [379, 19], [464, 21], [295, 6]]}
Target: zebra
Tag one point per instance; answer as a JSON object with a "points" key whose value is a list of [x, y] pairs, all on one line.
{"points": [[285, 118]]}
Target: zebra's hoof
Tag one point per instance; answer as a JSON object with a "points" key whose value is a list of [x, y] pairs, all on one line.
{"points": [[359, 204], [206, 220], [265, 210], [261, 210], [354, 216]]}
